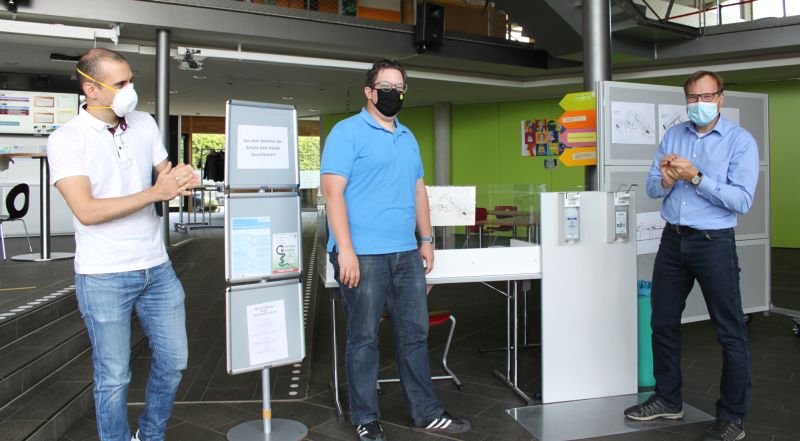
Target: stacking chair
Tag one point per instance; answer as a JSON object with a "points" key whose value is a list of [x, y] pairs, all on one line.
{"points": [[481, 215], [15, 214], [492, 230], [435, 318]]}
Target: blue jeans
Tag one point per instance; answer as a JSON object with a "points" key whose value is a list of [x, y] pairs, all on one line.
{"points": [[395, 281], [710, 258], [106, 302]]}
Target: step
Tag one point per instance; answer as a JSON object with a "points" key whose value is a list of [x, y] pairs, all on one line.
{"points": [[30, 359], [47, 410], [47, 308]]}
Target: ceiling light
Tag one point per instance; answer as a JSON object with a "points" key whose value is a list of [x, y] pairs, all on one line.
{"points": [[199, 77], [173, 91], [150, 102], [313, 110], [287, 97]]}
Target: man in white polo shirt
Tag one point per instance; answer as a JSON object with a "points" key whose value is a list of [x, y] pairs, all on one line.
{"points": [[102, 162]]}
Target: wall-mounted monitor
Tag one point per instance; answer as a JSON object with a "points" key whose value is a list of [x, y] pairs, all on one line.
{"points": [[35, 113]]}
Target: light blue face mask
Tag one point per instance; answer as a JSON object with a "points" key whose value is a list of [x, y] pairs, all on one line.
{"points": [[702, 113]]}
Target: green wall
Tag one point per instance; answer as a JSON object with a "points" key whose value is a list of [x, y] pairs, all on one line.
{"points": [[784, 101], [486, 149]]}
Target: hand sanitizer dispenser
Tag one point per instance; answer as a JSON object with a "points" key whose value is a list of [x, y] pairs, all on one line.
{"points": [[570, 218], [619, 216]]}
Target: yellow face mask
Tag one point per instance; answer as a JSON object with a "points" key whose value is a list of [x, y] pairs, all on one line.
{"points": [[125, 99]]}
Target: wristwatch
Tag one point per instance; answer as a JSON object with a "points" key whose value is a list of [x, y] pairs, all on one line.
{"points": [[696, 179], [426, 239]]}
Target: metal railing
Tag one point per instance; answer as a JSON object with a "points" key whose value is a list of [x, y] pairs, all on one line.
{"points": [[706, 13]]}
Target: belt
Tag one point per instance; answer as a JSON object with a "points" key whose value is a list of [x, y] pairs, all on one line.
{"points": [[681, 229]]}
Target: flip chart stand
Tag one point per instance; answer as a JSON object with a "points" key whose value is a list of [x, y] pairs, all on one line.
{"points": [[268, 429]]}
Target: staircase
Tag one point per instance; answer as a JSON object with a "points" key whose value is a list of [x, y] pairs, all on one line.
{"points": [[46, 368]]}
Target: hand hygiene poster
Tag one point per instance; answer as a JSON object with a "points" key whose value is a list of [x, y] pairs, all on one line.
{"points": [[262, 147], [250, 247]]}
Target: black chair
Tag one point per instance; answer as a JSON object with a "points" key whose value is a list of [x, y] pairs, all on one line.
{"points": [[15, 214]]}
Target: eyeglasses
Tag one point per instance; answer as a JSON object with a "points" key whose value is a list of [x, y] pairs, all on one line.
{"points": [[704, 97], [387, 87]]}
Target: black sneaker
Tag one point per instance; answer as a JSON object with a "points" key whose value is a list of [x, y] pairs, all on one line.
{"points": [[445, 423], [371, 431], [724, 431], [653, 408]]}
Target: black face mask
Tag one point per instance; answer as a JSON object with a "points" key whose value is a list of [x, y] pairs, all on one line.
{"points": [[389, 103]]}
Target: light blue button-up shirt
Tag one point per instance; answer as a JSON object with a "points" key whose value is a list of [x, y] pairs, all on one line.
{"points": [[728, 158]]}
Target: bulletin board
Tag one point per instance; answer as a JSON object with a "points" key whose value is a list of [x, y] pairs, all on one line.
{"points": [[263, 239], [268, 329], [260, 146], [633, 118]]}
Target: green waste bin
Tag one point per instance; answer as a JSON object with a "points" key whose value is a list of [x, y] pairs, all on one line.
{"points": [[646, 378]]}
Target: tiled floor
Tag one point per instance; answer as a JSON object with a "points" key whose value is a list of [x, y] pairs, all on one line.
{"points": [[211, 402]]}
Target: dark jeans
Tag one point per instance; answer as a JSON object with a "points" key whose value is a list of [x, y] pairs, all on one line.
{"points": [[710, 258], [395, 281]]}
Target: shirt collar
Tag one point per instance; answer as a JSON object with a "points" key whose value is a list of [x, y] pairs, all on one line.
{"points": [[98, 124], [369, 119]]}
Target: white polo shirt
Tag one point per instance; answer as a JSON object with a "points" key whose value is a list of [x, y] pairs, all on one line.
{"points": [[116, 165]]}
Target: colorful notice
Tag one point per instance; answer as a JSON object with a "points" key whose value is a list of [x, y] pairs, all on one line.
{"points": [[542, 137], [580, 137], [250, 247], [266, 332], [579, 119], [35, 113], [579, 101], [262, 147], [579, 156], [284, 253]]}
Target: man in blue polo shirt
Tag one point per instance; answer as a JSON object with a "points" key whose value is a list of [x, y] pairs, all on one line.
{"points": [[371, 177], [706, 170]]}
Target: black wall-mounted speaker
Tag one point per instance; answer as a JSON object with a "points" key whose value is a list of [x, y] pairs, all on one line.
{"points": [[429, 31]]}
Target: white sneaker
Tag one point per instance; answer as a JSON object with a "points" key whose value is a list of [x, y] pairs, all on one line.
{"points": [[135, 437]]}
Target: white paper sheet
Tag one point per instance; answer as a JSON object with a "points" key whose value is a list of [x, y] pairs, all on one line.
{"points": [[649, 226], [451, 205], [266, 332], [670, 115], [633, 123], [262, 147], [250, 247]]}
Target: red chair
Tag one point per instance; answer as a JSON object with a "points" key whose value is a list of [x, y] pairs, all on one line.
{"points": [[502, 212], [481, 214], [435, 318]]}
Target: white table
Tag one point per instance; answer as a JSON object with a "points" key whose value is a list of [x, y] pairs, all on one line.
{"points": [[521, 261]]}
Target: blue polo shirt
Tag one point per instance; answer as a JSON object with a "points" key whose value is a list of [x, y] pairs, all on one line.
{"points": [[728, 158], [382, 169]]}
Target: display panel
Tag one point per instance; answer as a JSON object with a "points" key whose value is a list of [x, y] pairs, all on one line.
{"points": [[35, 113]]}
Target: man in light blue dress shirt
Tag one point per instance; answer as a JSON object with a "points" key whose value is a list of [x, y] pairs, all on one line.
{"points": [[706, 169]]}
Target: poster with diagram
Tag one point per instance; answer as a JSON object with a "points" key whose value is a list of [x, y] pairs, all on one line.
{"points": [[670, 115], [450, 205], [633, 123]]}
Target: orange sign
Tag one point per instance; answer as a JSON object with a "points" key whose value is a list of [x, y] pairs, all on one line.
{"points": [[579, 119], [579, 156]]}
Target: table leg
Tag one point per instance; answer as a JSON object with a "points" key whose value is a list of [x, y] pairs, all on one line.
{"points": [[335, 359], [512, 363]]}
